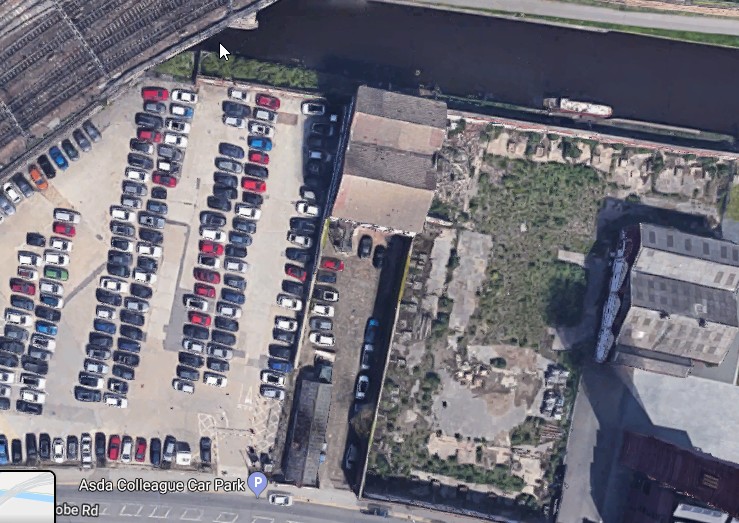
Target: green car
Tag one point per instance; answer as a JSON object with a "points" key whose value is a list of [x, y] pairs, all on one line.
{"points": [[56, 273]]}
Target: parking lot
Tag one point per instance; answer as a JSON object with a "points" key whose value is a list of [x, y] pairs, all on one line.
{"points": [[235, 416]]}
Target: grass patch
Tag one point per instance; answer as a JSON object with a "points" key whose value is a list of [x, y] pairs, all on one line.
{"points": [[260, 72], [732, 207], [179, 66]]}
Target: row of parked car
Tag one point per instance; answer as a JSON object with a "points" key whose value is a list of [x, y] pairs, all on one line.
{"points": [[52, 264]]}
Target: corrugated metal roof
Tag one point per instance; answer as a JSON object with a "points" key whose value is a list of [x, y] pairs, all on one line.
{"points": [[394, 134], [401, 107], [684, 268], [390, 165], [672, 240]]}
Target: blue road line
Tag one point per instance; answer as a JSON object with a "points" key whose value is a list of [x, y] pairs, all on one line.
{"points": [[32, 496]]}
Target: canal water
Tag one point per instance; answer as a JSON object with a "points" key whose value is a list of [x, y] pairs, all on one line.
{"points": [[509, 61]]}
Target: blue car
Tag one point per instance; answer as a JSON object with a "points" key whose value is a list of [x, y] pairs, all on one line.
{"points": [[280, 366], [52, 301], [58, 157], [104, 326], [44, 327], [370, 331], [3, 450], [259, 143]]}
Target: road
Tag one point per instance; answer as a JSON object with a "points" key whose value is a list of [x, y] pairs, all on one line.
{"points": [[699, 24]]}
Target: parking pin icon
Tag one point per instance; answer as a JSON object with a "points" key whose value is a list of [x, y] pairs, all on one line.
{"points": [[257, 482]]}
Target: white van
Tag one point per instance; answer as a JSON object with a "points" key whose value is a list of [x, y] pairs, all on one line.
{"points": [[51, 288]]}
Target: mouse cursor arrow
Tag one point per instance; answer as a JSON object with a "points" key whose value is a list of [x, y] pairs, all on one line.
{"points": [[223, 52]]}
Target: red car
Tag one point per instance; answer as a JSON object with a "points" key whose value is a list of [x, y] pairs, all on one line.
{"points": [[250, 184], [207, 276], [65, 229], [149, 135], [259, 157], [295, 271], [23, 287], [198, 319], [204, 290], [140, 455], [332, 264], [154, 94], [114, 447], [164, 179], [210, 247], [265, 100]]}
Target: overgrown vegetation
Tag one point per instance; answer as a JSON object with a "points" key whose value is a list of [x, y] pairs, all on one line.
{"points": [[179, 66], [257, 71], [732, 207]]}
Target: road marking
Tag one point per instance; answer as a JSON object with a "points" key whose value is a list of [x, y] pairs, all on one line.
{"points": [[262, 519], [226, 517], [190, 517], [160, 516], [104, 508], [124, 509]]}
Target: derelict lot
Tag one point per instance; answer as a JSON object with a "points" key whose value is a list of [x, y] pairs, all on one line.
{"points": [[90, 186]]}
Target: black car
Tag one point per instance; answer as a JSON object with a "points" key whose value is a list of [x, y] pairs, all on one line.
{"points": [[313, 168], [29, 408], [100, 340], [140, 161], [47, 313], [91, 131], [70, 150], [160, 193], [186, 373], [126, 358], [169, 152], [12, 346], [123, 229], [257, 171], [252, 199], [208, 261], [244, 225], [4, 403], [31, 448], [236, 110], [314, 183], [100, 446], [212, 219], [36, 239], [141, 291], [281, 335], [117, 386], [155, 452], [205, 445], [235, 251], [108, 297], [81, 140], [96, 353], [192, 360], [292, 287], [225, 180], [72, 447], [132, 318], [378, 258], [23, 185], [151, 236], [280, 351], [239, 238], [220, 204], [15, 333], [229, 149], [123, 372], [87, 395], [321, 324], [44, 446], [303, 225], [21, 302], [119, 243], [8, 360], [323, 129], [298, 255], [88, 379], [120, 258], [148, 120], [226, 324], [129, 345], [157, 207], [133, 333], [147, 264], [118, 270], [217, 365], [232, 296], [365, 246], [16, 451], [34, 365], [224, 338], [195, 331], [225, 192], [237, 282], [326, 277], [46, 166]]}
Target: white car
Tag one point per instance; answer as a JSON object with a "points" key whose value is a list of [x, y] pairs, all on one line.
{"points": [[362, 386], [57, 449], [106, 313], [281, 500], [51, 287], [167, 166], [321, 339], [323, 310], [175, 139], [261, 129], [119, 213], [113, 284], [213, 235], [29, 258], [15, 317], [299, 239], [286, 324], [147, 249], [56, 258], [34, 396], [114, 400], [137, 174], [42, 342], [183, 386], [215, 380], [195, 303], [313, 108], [126, 449], [66, 215], [11, 192], [228, 310], [61, 244], [193, 345], [238, 94], [307, 208], [221, 352], [180, 95], [7, 377], [289, 302], [96, 367], [209, 261], [136, 305], [178, 126], [247, 211], [265, 115], [239, 123], [144, 277], [272, 378], [86, 451], [236, 265]]}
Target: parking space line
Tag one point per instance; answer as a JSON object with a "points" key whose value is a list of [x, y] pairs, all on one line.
{"points": [[226, 517], [104, 507], [190, 517], [124, 509], [262, 519], [160, 516]]}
